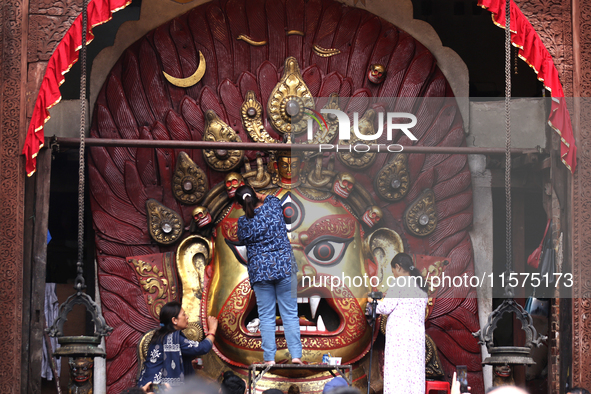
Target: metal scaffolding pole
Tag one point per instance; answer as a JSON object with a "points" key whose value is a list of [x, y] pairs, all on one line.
{"points": [[381, 148]]}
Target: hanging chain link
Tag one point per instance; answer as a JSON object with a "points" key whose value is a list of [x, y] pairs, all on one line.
{"points": [[79, 283], [508, 223]]}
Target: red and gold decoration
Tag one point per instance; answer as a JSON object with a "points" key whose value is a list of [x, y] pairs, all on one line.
{"points": [[62, 59], [340, 221], [157, 276], [189, 183]]}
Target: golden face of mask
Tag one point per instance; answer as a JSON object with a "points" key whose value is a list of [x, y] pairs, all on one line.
{"points": [[288, 167], [327, 242]]}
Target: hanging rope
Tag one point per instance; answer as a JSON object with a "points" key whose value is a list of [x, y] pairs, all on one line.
{"points": [[79, 283], [508, 236]]}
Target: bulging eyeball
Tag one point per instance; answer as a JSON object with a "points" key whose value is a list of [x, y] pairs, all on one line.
{"points": [[376, 73]]}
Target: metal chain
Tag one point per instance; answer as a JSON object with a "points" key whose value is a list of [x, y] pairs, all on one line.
{"points": [[508, 223], [79, 283]]}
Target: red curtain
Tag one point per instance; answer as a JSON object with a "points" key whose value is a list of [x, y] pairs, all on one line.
{"points": [[65, 55], [531, 49], [534, 53]]}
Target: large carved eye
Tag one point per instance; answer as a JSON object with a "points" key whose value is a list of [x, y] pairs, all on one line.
{"points": [[238, 250], [293, 212], [327, 250]]}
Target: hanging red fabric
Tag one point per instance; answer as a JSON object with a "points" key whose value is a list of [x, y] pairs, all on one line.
{"points": [[534, 258], [532, 50], [535, 54], [64, 56]]}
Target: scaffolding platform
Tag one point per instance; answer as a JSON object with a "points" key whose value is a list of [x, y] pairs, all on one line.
{"points": [[257, 371]]}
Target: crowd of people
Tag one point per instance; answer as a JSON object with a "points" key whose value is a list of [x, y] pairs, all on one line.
{"points": [[230, 383]]}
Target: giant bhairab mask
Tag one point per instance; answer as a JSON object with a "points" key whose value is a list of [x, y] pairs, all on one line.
{"points": [[137, 101], [327, 242]]}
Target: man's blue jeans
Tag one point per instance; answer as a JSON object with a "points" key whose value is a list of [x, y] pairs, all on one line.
{"points": [[267, 292]]}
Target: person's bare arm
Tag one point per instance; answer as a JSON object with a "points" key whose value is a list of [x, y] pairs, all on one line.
{"points": [[212, 325], [261, 196], [146, 387]]}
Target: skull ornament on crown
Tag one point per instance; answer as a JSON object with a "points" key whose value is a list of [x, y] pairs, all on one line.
{"points": [[201, 216], [376, 73], [233, 181], [343, 184], [372, 215]]}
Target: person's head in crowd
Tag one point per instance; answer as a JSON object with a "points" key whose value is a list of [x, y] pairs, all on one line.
{"points": [[402, 264], [345, 390], [334, 384], [578, 390], [170, 315], [247, 198], [506, 390], [293, 389], [195, 385], [232, 384], [133, 390], [273, 391]]}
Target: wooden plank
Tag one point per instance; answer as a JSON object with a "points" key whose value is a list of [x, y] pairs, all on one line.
{"points": [[38, 270]]}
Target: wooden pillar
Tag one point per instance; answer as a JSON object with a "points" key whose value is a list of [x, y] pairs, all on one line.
{"points": [[34, 271], [13, 51], [580, 198]]}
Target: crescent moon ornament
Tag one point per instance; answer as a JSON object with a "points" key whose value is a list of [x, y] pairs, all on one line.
{"points": [[189, 81]]}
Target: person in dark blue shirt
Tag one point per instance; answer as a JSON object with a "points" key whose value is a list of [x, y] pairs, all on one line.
{"points": [[170, 353], [271, 269]]}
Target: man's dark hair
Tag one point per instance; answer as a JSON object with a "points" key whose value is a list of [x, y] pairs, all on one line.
{"points": [[578, 390], [232, 384]]}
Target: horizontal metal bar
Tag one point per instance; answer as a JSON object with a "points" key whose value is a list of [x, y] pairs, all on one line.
{"points": [[256, 146]]}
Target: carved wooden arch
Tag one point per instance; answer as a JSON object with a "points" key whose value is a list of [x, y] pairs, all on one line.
{"points": [[137, 102]]}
